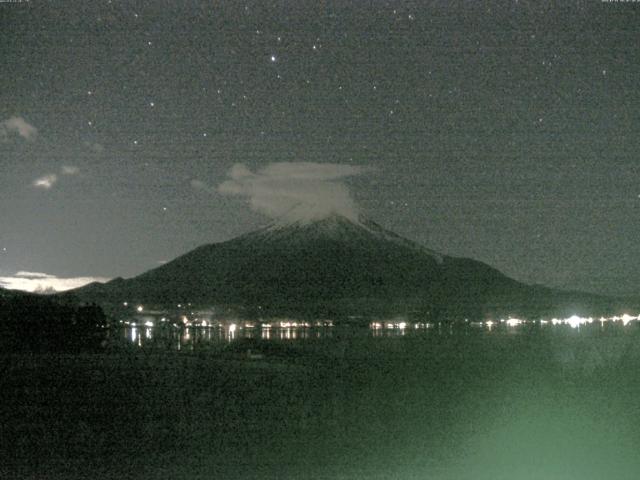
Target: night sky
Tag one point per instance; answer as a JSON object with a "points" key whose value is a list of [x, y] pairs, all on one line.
{"points": [[507, 132]]}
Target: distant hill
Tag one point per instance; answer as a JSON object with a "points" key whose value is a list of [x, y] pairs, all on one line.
{"points": [[6, 293], [42, 323], [335, 266]]}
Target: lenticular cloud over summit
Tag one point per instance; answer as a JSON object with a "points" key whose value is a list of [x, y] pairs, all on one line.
{"points": [[295, 191]]}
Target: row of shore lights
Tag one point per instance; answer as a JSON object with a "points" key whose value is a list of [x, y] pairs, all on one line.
{"points": [[574, 321]]}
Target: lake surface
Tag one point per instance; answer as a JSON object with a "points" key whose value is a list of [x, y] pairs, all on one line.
{"points": [[464, 401]]}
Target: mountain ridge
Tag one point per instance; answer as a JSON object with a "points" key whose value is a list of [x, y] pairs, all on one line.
{"points": [[333, 266]]}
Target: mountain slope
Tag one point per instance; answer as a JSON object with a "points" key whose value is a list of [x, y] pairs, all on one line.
{"points": [[332, 266]]}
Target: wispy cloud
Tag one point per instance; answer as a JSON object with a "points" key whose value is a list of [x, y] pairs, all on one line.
{"points": [[22, 273], [46, 181], [70, 170], [44, 282], [296, 190], [19, 126]]}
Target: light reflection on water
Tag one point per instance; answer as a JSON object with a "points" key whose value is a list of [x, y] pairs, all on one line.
{"points": [[190, 336]]}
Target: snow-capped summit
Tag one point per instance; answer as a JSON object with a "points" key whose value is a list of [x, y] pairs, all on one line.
{"points": [[334, 227]]}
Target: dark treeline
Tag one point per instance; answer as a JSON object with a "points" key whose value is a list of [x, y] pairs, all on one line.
{"points": [[32, 323]]}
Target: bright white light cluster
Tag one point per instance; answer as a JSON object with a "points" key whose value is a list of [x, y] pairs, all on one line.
{"points": [[574, 321], [513, 322], [625, 319], [293, 324]]}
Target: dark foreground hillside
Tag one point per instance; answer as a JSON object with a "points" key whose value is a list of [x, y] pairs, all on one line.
{"points": [[553, 405]]}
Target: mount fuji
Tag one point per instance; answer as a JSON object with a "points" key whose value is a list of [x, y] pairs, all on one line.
{"points": [[337, 266]]}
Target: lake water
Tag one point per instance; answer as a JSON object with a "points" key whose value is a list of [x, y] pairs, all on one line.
{"points": [[521, 401]]}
